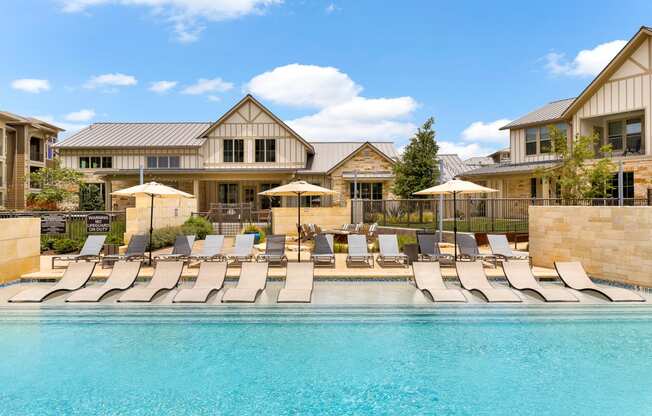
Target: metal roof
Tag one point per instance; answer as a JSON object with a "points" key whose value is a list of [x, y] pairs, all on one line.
{"points": [[509, 168], [381, 174], [453, 166], [549, 112], [126, 135], [15, 118], [329, 154]]}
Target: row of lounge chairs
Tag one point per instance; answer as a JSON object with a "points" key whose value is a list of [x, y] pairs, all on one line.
{"points": [[167, 275], [428, 279]]}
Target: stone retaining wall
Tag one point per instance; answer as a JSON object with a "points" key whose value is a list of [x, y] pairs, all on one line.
{"points": [[613, 243], [168, 212], [20, 247]]}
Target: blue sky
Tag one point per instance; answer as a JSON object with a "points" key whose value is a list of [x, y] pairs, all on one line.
{"points": [[334, 70]]}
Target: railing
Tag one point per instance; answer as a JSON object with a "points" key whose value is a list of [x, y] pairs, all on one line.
{"points": [[500, 215]]}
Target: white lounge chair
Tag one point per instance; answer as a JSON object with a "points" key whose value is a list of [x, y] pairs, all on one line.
{"points": [[428, 279], [166, 277], [211, 250], [473, 278], [252, 281], [243, 249], [358, 251], [299, 283], [76, 275], [519, 275], [209, 279], [574, 276], [122, 277], [501, 249], [389, 252]]}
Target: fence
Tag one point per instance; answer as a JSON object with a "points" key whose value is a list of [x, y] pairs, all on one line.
{"points": [[473, 214], [76, 225], [229, 219]]}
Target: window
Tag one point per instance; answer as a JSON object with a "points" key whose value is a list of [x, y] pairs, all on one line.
{"points": [[95, 162], [2, 175], [234, 150], [633, 128], [545, 145], [628, 185], [367, 190], [615, 129], [533, 187], [626, 135], [228, 193], [531, 141], [2, 146], [50, 151], [312, 201], [35, 149], [267, 202], [163, 162], [265, 150]]}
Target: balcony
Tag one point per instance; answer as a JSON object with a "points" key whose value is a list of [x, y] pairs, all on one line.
{"points": [[36, 150]]}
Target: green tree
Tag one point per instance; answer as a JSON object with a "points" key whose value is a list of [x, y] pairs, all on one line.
{"points": [[577, 175], [90, 197], [57, 185], [417, 168]]}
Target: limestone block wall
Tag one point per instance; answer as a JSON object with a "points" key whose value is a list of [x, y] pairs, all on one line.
{"points": [[20, 245], [613, 243], [168, 212], [284, 220]]}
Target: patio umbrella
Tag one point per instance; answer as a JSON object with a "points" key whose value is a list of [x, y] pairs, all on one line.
{"points": [[298, 189], [455, 187], [152, 189]]}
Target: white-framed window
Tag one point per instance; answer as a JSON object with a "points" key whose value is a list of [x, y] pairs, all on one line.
{"points": [[95, 162], [163, 162], [538, 140], [265, 150], [626, 134], [367, 190]]}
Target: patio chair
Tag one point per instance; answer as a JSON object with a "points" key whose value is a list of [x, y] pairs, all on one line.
{"points": [[501, 249], [473, 278], [389, 252], [468, 250], [243, 249], [76, 275], [358, 251], [323, 253], [209, 279], [135, 251], [429, 248], [519, 276], [372, 232], [90, 251], [274, 250], [211, 250], [428, 279], [166, 277], [181, 250], [122, 277], [574, 276], [252, 281], [299, 283]]}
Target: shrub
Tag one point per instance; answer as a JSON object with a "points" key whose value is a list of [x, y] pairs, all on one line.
{"points": [[340, 248], [250, 229], [47, 243], [164, 237], [65, 245], [115, 237], [197, 226]]}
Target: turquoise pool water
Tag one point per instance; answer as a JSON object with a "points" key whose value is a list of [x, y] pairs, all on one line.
{"points": [[201, 361]]}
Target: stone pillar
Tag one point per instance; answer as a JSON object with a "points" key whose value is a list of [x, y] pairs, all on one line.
{"points": [[107, 195], [545, 188]]}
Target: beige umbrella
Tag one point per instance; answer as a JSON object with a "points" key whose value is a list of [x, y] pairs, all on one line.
{"points": [[455, 187], [298, 189], [152, 189]]}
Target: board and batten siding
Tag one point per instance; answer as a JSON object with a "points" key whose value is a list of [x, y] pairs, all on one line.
{"points": [[628, 90], [249, 123], [517, 147], [189, 158]]}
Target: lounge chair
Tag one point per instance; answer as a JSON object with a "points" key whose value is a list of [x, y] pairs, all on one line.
{"points": [[469, 250], [473, 278], [574, 276], [358, 251], [243, 250], [428, 279], [166, 277], [372, 232], [135, 251], [209, 279], [90, 251], [389, 252], [253, 280], [323, 253], [519, 275], [274, 250], [429, 248], [181, 250], [211, 250], [299, 283], [122, 277], [501, 249], [76, 275]]}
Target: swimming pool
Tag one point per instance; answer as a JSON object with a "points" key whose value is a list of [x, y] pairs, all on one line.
{"points": [[364, 361]]}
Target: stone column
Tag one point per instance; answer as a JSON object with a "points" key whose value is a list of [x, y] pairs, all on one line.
{"points": [[107, 195]]}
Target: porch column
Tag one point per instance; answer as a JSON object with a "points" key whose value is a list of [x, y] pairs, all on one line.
{"points": [[107, 195], [545, 188]]}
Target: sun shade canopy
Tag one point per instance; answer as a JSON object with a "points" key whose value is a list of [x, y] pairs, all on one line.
{"points": [[152, 189], [298, 187], [455, 186]]}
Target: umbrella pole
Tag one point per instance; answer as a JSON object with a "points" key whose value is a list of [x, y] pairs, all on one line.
{"points": [[299, 224], [455, 222], [151, 226]]}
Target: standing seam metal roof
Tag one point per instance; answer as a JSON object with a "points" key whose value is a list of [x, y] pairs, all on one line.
{"points": [[549, 112], [329, 154]]}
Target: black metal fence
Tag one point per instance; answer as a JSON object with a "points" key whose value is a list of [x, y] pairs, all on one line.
{"points": [[473, 214]]}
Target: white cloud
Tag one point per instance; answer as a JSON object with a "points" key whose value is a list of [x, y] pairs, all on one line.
{"points": [[488, 132], [304, 85], [31, 85], [110, 81], [331, 8], [214, 98], [161, 87], [187, 17], [464, 150], [588, 62], [204, 86], [81, 115]]}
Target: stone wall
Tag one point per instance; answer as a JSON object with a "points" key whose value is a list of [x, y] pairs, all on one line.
{"points": [[284, 220], [613, 243], [20, 245], [168, 212]]}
